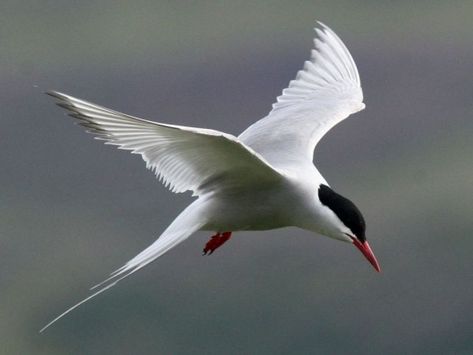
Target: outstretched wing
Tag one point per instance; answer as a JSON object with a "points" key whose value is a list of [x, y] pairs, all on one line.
{"points": [[326, 91], [184, 158]]}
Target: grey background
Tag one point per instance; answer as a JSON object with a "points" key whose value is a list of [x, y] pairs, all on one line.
{"points": [[72, 209]]}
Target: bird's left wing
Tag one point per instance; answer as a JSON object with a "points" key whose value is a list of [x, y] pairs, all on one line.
{"points": [[184, 158], [325, 91]]}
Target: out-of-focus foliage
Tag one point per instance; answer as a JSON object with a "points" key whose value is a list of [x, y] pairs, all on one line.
{"points": [[72, 210]]}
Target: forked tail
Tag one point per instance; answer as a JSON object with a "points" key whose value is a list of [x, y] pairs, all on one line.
{"points": [[189, 221]]}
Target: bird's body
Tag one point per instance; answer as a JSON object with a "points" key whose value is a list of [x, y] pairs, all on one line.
{"points": [[263, 179]]}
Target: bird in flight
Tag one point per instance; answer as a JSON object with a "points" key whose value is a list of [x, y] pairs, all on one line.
{"points": [[263, 179]]}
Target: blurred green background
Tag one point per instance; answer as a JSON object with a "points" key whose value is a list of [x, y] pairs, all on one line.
{"points": [[72, 210]]}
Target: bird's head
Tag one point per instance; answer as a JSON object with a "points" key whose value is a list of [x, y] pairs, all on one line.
{"points": [[348, 223]]}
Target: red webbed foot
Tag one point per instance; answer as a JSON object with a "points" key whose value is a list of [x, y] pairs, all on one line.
{"points": [[215, 242]]}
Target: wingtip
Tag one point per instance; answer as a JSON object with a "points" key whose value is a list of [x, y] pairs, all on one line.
{"points": [[322, 25], [50, 92], [55, 94]]}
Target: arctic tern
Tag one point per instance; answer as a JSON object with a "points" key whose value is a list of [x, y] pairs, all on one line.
{"points": [[263, 179]]}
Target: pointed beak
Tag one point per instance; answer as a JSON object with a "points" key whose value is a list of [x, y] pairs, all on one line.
{"points": [[365, 249]]}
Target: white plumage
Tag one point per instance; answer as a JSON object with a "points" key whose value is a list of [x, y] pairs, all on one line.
{"points": [[263, 179], [324, 93], [184, 158]]}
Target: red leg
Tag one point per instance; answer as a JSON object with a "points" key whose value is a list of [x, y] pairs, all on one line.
{"points": [[215, 242]]}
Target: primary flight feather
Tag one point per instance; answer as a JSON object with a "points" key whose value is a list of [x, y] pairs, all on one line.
{"points": [[260, 180]]}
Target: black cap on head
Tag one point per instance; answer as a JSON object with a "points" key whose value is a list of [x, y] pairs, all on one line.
{"points": [[345, 210]]}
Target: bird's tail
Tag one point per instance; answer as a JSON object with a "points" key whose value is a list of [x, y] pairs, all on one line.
{"points": [[189, 221]]}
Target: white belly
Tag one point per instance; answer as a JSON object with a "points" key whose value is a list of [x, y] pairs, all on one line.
{"points": [[250, 210]]}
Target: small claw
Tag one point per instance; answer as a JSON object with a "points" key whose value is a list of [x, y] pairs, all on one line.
{"points": [[215, 242]]}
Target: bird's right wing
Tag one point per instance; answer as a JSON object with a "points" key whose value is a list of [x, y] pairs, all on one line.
{"points": [[184, 158], [325, 91]]}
